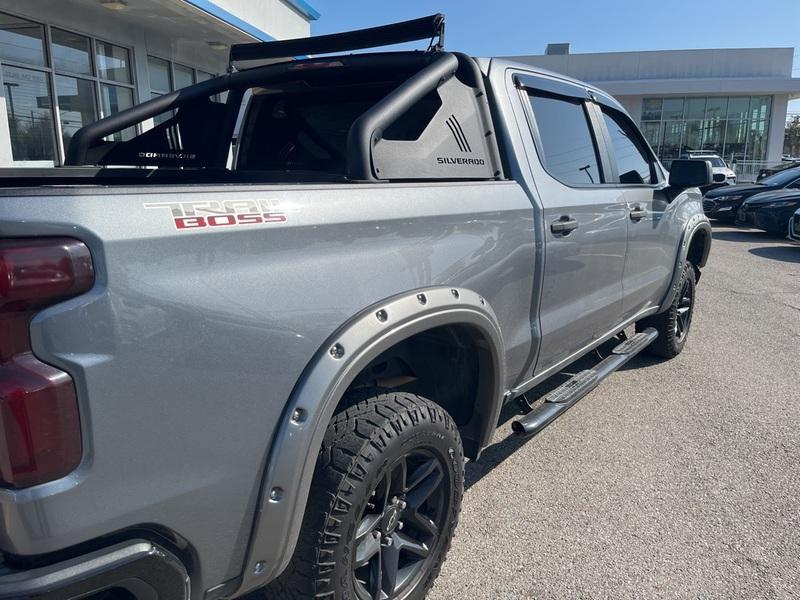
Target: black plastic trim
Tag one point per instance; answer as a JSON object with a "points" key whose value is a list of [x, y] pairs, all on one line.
{"points": [[146, 570], [374, 37]]}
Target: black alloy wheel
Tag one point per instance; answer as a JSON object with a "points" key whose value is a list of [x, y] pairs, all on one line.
{"points": [[400, 526]]}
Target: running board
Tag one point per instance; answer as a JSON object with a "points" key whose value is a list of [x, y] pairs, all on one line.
{"points": [[568, 393]]}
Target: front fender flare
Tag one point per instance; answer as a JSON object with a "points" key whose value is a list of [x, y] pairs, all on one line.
{"points": [[697, 223], [292, 458]]}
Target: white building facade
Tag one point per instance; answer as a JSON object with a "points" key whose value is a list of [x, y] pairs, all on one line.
{"points": [[66, 63], [732, 102]]}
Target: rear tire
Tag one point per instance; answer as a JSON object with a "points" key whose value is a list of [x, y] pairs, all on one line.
{"points": [[674, 323], [383, 505]]}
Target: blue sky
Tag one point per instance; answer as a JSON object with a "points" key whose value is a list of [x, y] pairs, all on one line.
{"points": [[512, 27], [507, 27]]}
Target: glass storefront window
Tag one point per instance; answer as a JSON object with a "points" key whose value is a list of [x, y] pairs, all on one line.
{"points": [[734, 127], [735, 140], [713, 135], [671, 138], [757, 141], [21, 41], [672, 109], [716, 108], [738, 107], [113, 63], [651, 109], [693, 138], [184, 77], [695, 108], [759, 107], [652, 133], [75, 105], [30, 117], [160, 80], [71, 52], [113, 99]]}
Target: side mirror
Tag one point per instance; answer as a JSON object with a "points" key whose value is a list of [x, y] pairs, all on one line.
{"points": [[690, 173], [719, 177]]}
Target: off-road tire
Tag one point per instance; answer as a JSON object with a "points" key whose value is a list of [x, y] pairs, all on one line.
{"points": [[360, 446], [672, 335]]}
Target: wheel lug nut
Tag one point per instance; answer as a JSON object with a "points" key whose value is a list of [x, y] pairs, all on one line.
{"points": [[387, 540], [400, 526], [403, 504], [376, 534]]}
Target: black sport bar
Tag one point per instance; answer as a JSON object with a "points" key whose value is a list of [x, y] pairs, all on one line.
{"points": [[374, 37]]}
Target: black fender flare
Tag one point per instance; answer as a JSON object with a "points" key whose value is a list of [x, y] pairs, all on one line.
{"points": [[696, 225], [293, 454]]}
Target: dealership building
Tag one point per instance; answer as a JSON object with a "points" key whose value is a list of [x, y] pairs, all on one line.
{"points": [[732, 102], [66, 63]]}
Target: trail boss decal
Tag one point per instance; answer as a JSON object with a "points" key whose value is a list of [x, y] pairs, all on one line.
{"points": [[226, 213]]}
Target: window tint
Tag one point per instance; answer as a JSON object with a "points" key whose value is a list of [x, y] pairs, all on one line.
{"points": [[568, 148], [632, 163]]}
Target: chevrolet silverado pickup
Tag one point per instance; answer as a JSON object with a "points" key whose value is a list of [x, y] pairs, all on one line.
{"points": [[252, 329]]}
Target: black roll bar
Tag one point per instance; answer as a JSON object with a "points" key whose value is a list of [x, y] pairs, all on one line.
{"points": [[369, 127]]}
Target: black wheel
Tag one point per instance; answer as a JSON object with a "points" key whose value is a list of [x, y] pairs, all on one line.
{"points": [[383, 506], [674, 323]]}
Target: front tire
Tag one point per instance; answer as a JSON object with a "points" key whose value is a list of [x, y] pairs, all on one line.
{"points": [[674, 323], [383, 506]]}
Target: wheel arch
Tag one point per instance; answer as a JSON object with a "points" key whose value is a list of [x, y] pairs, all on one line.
{"points": [[292, 457], [695, 246]]}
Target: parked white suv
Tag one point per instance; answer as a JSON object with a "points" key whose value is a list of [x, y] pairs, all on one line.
{"points": [[718, 165]]}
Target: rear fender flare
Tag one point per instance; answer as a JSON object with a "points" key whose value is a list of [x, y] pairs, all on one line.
{"points": [[293, 455], [695, 225]]}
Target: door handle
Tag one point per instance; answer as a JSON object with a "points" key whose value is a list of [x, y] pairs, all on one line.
{"points": [[638, 213], [564, 225]]}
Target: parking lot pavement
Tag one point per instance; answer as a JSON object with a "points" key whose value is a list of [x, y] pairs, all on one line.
{"points": [[673, 479]]}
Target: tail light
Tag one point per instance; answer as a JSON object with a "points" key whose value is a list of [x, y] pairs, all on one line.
{"points": [[40, 434]]}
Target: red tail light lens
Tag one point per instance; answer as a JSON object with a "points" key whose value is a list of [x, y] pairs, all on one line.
{"points": [[40, 435]]}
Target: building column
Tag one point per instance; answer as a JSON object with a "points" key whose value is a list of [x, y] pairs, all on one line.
{"points": [[777, 127]]}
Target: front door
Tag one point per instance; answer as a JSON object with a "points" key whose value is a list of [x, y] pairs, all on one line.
{"points": [[585, 227], [653, 234]]}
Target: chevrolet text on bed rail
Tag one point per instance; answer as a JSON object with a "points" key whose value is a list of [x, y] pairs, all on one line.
{"points": [[249, 344]]}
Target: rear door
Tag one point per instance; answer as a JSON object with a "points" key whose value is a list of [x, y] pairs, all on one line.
{"points": [[653, 232], [585, 222]]}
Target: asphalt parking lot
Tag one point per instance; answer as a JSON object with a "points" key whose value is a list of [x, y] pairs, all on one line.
{"points": [[673, 479]]}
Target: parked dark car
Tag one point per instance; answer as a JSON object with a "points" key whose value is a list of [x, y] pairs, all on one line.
{"points": [[782, 166], [723, 203], [770, 211], [794, 228]]}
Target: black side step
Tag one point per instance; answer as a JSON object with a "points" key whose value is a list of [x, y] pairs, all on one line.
{"points": [[569, 392]]}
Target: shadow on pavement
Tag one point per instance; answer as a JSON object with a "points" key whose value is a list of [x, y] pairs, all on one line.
{"points": [[743, 235], [783, 253], [498, 452]]}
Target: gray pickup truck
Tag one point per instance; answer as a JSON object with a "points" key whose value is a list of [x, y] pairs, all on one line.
{"points": [[249, 334]]}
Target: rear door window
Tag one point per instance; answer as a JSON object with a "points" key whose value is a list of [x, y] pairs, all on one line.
{"points": [[568, 148]]}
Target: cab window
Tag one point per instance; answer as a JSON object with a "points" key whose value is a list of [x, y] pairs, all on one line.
{"points": [[567, 146], [628, 152]]}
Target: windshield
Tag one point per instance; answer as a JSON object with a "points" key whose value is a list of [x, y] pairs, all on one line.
{"points": [[782, 178]]}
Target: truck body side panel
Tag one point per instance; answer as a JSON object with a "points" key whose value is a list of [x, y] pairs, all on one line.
{"points": [[185, 352]]}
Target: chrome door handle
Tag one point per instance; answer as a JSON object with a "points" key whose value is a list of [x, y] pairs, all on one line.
{"points": [[564, 225], [638, 213]]}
